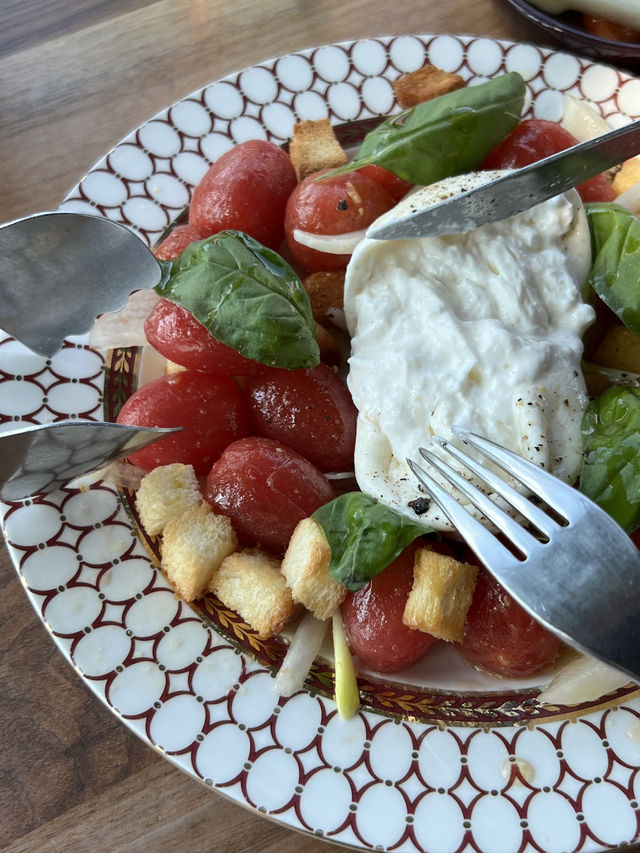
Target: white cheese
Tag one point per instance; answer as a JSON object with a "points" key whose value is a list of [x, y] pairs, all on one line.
{"points": [[482, 329]]}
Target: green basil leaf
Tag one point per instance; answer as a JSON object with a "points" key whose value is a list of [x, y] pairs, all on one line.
{"points": [[615, 244], [247, 296], [447, 135], [364, 535], [611, 440]]}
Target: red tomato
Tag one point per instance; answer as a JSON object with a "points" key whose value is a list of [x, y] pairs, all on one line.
{"points": [[372, 619], [246, 190], [177, 335], [310, 410], [265, 488], [210, 408], [338, 205], [532, 140], [181, 237], [395, 186], [501, 637], [609, 30]]}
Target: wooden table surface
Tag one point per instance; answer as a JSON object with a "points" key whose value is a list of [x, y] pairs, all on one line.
{"points": [[75, 77]]}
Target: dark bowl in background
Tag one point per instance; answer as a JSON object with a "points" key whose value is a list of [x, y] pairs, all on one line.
{"points": [[566, 32]]}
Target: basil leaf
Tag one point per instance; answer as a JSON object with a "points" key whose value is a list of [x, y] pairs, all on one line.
{"points": [[364, 535], [611, 440], [615, 244], [447, 135], [247, 296]]}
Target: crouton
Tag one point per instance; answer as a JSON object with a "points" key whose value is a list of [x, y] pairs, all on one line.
{"points": [[441, 595], [164, 492], [619, 349], [251, 583], [325, 291], [194, 544], [424, 84], [306, 569], [314, 146], [330, 350], [627, 175]]}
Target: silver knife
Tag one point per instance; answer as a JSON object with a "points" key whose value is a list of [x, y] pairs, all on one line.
{"points": [[516, 191]]}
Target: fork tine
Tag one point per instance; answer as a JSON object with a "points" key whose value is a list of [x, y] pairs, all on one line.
{"points": [[543, 522], [518, 536], [552, 491], [489, 550]]}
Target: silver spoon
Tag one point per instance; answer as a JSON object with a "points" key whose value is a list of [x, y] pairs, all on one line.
{"points": [[59, 271]]}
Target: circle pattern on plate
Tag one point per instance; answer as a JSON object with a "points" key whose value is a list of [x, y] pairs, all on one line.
{"points": [[374, 782]]}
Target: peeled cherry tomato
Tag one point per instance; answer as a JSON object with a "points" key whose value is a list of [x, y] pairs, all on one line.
{"points": [[265, 488], [336, 205], [372, 619], [209, 407], [501, 637], [177, 335], [178, 240], [246, 189], [532, 140], [310, 410], [395, 186]]}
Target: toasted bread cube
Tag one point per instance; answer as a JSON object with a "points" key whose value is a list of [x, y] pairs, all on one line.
{"points": [[627, 175], [164, 492], [194, 544], [306, 569], [424, 84], [251, 583], [441, 595], [619, 349], [314, 146], [325, 291]]}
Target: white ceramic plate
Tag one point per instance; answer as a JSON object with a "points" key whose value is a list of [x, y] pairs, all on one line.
{"points": [[419, 769]]}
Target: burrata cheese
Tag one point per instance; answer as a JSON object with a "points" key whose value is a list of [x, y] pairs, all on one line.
{"points": [[482, 329]]}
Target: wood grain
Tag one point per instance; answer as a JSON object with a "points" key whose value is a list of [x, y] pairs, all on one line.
{"points": [[75, 77]]}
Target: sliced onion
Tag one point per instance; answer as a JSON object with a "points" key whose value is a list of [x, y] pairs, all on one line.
{"points": [[124, 328], [582, 120], [583, 679], [332, 244], [302, 651]]}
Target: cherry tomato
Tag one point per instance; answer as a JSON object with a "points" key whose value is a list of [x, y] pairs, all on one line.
{"points": [[372, 619], [177, 335], [265, 488], [501, 637], [178, 240], [395, 186], [336, 205], [246, 190], [532, 140], [609, 30], [211, 409], [310, 410]]}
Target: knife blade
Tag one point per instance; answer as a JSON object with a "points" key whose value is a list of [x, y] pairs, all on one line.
{"points": [[515, 191]]}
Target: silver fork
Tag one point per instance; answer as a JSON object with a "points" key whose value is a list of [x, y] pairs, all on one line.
{"points": [[578, 573]]}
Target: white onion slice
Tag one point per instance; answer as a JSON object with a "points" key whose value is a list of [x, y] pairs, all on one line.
{"points": [[302, 651], [124, 328], [582, 120], [583, 679], [332, 244]]}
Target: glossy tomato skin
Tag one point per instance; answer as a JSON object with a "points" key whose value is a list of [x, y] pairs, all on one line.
{"points": [[605, 29], [178, 240], [395, 186], [246, 189], [265, 488], [210, 407], [336, 205], [534, 139], [372, 619], [177, 335], [310, 410], [501, 637]]}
